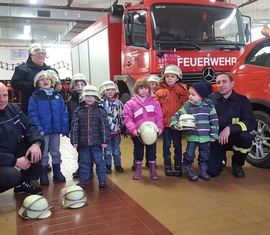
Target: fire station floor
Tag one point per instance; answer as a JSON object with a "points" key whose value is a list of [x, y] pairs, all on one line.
{"points": [[170, 205]]}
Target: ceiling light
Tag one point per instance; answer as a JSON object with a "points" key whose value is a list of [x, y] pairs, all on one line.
{"points": [[33, 1]]}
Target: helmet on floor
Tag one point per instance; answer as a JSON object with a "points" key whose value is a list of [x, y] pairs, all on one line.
{"points": [[35, 207], [187, 122], [74, 197], [106, 86], [148, 132]]}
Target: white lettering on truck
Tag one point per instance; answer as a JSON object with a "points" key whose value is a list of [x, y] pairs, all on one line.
{"points": [[206, 61]]}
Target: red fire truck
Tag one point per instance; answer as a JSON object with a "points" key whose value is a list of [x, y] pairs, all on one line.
{"points": [[202, 37], [251, 76]]}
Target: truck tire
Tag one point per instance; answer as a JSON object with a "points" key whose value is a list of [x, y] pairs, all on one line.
{"points": [[259, 155]]}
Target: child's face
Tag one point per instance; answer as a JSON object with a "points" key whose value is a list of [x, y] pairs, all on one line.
{"points": [[143, 91], [171, 79], [90, 100], [153, 86], [193, 96], [44, 82], [109, 93], [79, 86]]}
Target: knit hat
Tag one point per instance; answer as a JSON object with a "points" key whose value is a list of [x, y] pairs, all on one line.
{"points": [[204, 89]]}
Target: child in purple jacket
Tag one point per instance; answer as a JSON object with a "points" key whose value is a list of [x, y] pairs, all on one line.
{"points": [[139, 109]]}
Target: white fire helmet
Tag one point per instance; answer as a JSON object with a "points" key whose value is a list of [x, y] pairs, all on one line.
{"points": [[37, 48], [187, 122], [172, 68], [43, 73], [77, 77], [55, 77], [89, 90], [35, 207], [105, 86], [153, 78], [148, 132], [74, 197]]}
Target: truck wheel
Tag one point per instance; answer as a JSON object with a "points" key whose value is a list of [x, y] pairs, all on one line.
{"points": [[259, 155]]}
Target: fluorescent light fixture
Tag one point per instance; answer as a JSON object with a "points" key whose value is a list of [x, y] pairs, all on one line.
{"points": [[32, 1], [228, 20], [27, 29]]}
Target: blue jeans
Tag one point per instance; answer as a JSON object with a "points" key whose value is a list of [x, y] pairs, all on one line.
{"points": [[138, 150], [113, 149], [204, 152], [175, 136], [88, 154], [52, 146]]}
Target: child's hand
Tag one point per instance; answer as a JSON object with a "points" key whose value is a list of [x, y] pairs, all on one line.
{"points": [[42, 133], [212, 140], [159, 131], [75, 146], [176, 127]]}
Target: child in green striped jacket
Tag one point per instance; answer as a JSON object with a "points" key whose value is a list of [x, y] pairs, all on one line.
{"points": [[206, 130]]}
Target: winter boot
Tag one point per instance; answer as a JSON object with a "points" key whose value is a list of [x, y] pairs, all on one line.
{"points": [[44, 176], [203, 171], [152, 167], [168, 167], [190, 173], [177, 171], [57, 174], [138, 172]]}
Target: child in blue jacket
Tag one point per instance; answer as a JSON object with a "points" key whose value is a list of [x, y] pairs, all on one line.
{"points": [[47, 109]]}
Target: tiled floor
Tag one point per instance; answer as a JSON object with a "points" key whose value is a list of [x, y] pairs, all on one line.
{"points": [[224, 205]]}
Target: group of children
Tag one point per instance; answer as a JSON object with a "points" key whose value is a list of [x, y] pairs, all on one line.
{"points": [[94, 119]]}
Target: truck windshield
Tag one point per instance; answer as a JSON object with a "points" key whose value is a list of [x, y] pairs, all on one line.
{"points": [[181, 26]]}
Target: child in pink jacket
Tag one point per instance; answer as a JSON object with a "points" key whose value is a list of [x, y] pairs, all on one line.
{"points": [[139, 109]]}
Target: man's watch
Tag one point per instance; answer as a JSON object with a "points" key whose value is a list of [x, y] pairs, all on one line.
{"points": [[38, 143]]}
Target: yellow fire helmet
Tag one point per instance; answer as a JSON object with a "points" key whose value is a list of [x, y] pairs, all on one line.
{"points": [[74, 197], [148, 132], [187, 122], [35, 207]]}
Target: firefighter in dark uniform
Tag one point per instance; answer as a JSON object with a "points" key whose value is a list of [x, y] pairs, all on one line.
{"points": [[236, 121]]}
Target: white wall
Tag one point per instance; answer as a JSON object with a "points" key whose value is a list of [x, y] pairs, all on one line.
{"points": [[57, 56]]}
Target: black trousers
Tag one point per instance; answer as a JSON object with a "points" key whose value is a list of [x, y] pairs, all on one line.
{"points": [[237, 143], [11, 177]]}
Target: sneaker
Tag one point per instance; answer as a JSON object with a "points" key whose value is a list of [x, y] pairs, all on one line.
{"points": [[119, 168], [102, 185], [76, 174], [28, 189]]}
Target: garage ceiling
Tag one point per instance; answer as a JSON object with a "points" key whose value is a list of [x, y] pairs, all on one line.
{"points": [[70, 17]]}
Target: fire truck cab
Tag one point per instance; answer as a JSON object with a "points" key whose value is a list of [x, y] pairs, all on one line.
{"points": [[202, 37]]}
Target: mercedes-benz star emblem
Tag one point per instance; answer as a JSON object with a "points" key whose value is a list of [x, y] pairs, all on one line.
{"points": [[208, 74]]}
